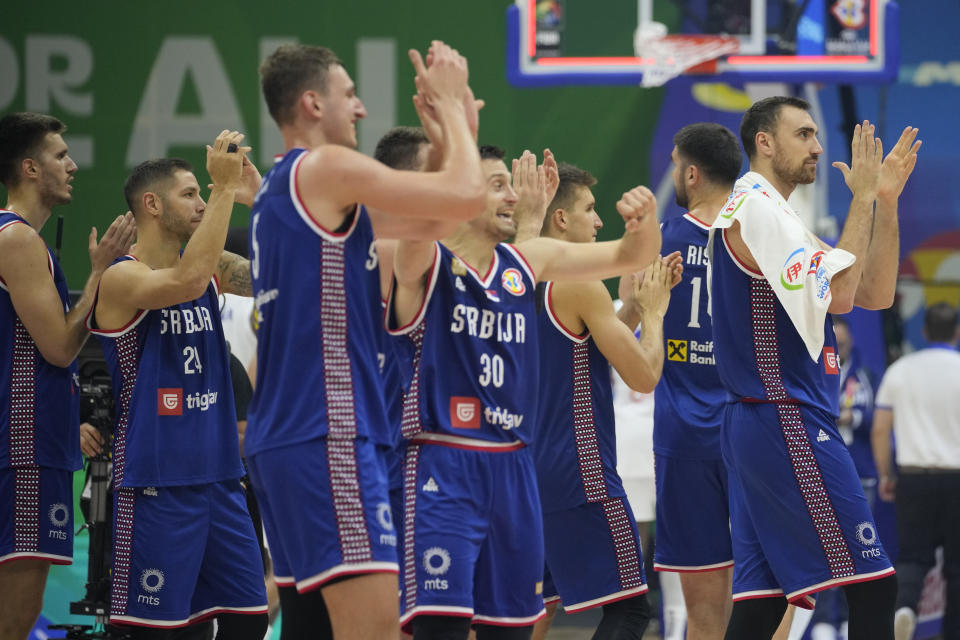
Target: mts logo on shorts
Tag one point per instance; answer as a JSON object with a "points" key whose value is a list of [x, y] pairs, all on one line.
{"points": [[169, 402], [464, 412]]}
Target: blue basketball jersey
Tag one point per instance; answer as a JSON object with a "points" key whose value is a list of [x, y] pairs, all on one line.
{"points": [[576, 449], [470, 359], [688, 401], [319, 347], [39, 402], [175, 419], [760, 355]]}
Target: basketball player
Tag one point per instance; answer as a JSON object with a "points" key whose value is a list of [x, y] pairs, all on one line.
{"points": [[800, 521], [693, 520], [184, 547], [318, 431], [465, 309], [592, 546], [39, 420]]}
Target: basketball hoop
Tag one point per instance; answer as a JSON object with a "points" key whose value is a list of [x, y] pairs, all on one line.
{"points": [[668, 56]]}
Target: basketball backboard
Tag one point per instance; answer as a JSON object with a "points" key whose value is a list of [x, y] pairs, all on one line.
{"points": [[582, 42]]}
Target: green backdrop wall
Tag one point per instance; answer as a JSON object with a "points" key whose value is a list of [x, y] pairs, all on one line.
{"points": [[140, 80]]}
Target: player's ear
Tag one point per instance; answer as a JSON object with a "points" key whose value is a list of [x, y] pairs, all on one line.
{"points": [[151, 203], [692, 174], [559, 217], [764, 143], [311, 103], [30, 168]]}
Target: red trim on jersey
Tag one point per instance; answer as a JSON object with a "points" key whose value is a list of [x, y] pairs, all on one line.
{"points": [[26, 555], [462, 442], [737, 259], [599, 602], [295, 190], [552, 314], [516, 252], [427, 294], [510, 622], [486, 279], [806, 594], [706, 569], [697, 221]]}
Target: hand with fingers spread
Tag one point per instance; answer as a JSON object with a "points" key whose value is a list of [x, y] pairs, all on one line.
{"points": [[225, 163], [866, 156], [899, 164], [115, 242]]}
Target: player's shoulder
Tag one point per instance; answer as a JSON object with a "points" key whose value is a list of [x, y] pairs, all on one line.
{"points": [[18, 240]]}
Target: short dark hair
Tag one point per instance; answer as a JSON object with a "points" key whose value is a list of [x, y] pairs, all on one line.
{"points": [[146, 175], [713, 149], [490, 152], [398, 148], [21, 135], [762, 116], [291, 70], [571, 176], [940, 322]]}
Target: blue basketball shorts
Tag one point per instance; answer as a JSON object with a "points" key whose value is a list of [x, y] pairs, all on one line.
{"points": [[473, 536], [693, 516], [593, 555], [800, 522], [184, 554], [36, 514], [326, 511]]}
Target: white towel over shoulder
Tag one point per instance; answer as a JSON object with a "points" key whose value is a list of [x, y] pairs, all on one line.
{"points": [[790, 257]]}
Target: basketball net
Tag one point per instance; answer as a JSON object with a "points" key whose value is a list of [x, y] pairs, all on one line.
{"points": [[668, 56]]}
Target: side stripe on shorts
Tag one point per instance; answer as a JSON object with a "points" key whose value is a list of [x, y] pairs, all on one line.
{"points": [[805, 467]]}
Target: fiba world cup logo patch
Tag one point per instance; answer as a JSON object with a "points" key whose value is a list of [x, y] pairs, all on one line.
{"points": [[59, 514], [513, 282], [151, 580]]}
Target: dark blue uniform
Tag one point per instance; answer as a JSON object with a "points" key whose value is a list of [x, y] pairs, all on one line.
{"points": [[317, 427], [693, 519], [177, 470], [592, 544], [472, 524], [800, 521], [39, 436]]}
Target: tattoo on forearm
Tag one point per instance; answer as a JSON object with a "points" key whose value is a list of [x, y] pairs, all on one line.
{"points": [[236, 275]]}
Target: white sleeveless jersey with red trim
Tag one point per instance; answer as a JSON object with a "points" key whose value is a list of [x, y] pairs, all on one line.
{"points": [[176, 423], [470, 358], [320, 322], [576, 447], [39, 402]]}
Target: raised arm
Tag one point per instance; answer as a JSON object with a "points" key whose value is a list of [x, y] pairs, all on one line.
{"points": [[129, 286], [25, 270], [862, 177], [878, 282], [566, 261], [331, 178], [412, 261], [639, 363], [233, 272]]}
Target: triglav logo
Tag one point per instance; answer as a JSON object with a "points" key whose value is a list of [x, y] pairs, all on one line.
{"points": [[169, 402], [464, 412]]}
